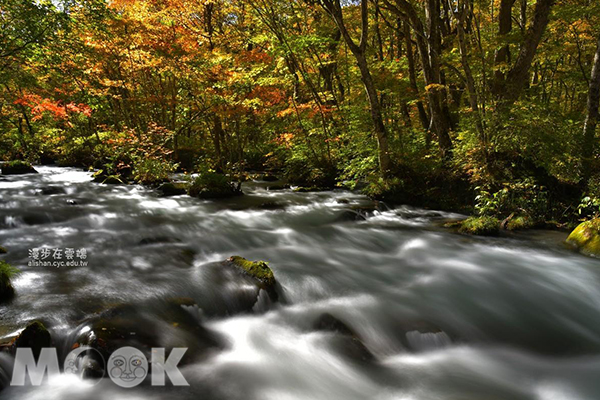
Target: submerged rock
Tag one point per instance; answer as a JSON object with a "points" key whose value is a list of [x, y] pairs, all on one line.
{"points": [[17, 167], [347, 341], [50, 190], [586, 237], [422, 336], [350, 215]]}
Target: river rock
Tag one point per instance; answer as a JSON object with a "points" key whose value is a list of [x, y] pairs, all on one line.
{"points": [[347, 341], [586, 237], [34, 336], [168, 324], [169, 189], [211, 185], [237, 286], [17, 167], [50, 190]]}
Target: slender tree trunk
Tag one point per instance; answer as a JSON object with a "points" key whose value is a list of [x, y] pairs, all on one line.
{"points": [[591, 120], [423, 117], [473, 98]]}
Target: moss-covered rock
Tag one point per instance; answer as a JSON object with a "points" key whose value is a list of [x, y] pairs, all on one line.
{"points": [[34, 336], [17, 167], [3, 250], [210, 185], [482, 226], [257, 269], [586, 237], [7, 272]]}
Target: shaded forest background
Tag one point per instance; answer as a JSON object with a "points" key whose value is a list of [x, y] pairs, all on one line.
{"points": [[489, 106]]}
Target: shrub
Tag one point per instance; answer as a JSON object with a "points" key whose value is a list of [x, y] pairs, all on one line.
{"points": [[211, 185], [151, 171]]}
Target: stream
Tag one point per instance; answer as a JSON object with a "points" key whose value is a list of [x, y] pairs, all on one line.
{"points": [[418, 312]]}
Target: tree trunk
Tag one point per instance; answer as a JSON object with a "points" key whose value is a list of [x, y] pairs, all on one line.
{"points": [[334, 8], [502, 56], [423, 117], [517, 77], [591, 120], [473, 98]]}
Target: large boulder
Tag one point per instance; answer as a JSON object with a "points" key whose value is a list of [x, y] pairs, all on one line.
{"points": [[35, 336], [171, 323], [586, 237], [235, 286], [17, 167]]}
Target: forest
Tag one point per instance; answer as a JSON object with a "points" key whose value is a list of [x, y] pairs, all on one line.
{"points": [[299, 199], [487, 106]]}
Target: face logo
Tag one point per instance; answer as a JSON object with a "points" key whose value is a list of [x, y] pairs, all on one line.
{"points": [[82, 360], [127, 367]]}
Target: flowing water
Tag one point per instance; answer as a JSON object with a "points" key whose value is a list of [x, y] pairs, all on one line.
{"points": [[433, 314]]}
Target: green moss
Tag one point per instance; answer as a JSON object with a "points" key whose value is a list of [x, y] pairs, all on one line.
{"points": [[17, 167], [210, 185], [7, 272], [482, 226], [586, 237], [519, 222], [257, 269]]}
